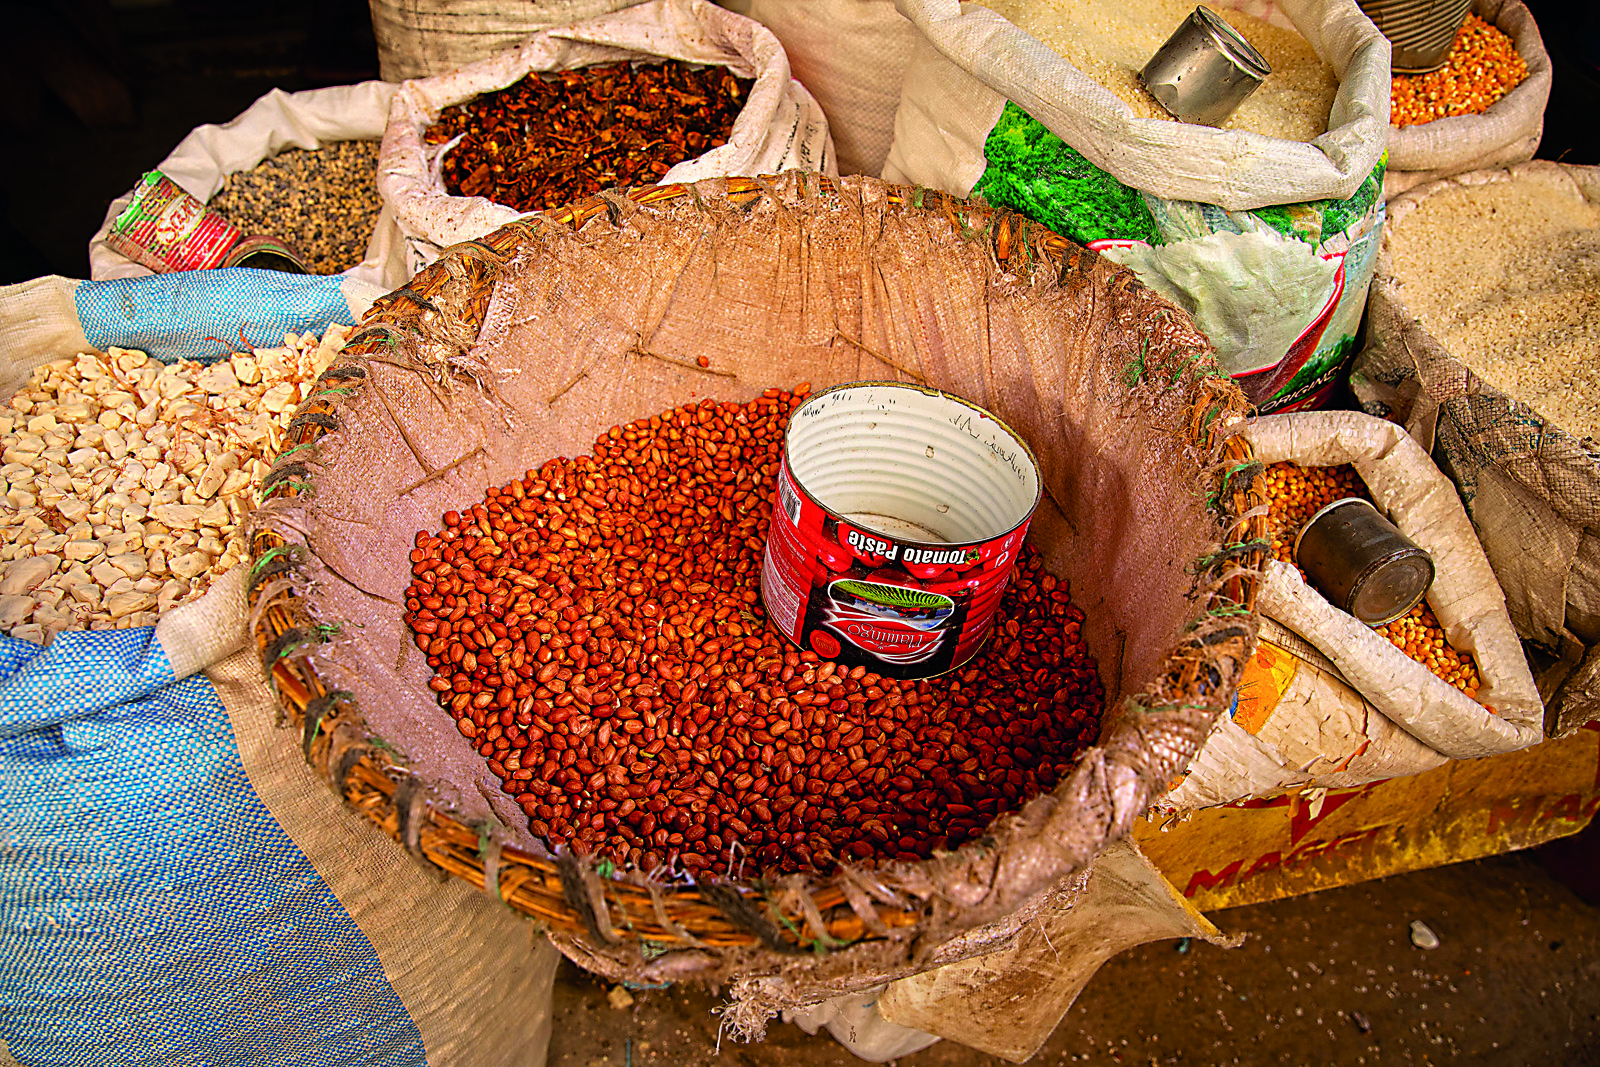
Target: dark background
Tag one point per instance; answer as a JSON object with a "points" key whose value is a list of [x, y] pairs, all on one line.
{"points": [[95, 92]]}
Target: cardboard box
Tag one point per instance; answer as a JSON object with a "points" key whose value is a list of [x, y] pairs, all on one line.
{"points": [[1258, 850]]}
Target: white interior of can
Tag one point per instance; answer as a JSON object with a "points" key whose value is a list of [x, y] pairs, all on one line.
{"points": [[912, 465]]}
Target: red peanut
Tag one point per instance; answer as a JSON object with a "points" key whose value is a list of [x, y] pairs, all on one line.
{"points": [[596, 632]]}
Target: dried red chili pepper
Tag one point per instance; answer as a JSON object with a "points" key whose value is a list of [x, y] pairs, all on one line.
{"points": [[554, 138]]}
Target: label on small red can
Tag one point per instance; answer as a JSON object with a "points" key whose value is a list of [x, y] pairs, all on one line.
{"points": [[166, 229], [904, 609]]}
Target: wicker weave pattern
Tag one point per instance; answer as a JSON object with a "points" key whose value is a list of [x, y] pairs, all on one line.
{"points": [[845, 908]]}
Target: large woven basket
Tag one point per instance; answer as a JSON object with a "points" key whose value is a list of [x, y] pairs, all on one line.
{"points": [[806, 938]]}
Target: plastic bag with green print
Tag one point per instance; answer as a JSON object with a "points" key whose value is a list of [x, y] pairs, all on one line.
{"points": [[1279, 290]]}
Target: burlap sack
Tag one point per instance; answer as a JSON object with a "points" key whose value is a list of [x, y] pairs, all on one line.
{"points": [[851, 54], [1268, 243], [278, 121], [524, 345], [779, 127], [1508, 132], [420, 38], [974, 61], [1532, 489]]}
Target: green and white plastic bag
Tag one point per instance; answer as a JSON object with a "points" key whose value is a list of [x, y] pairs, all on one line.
{"points": [[1270, 244]]}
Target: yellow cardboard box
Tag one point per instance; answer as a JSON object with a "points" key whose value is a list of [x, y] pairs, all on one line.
{"points": [[1259, 850]]}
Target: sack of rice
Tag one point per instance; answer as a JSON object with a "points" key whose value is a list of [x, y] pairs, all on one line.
{"points": [[1483, 340], [852, 55], [666, 91], [421, 38], [299, 167], [1329, 702], [1265, 230], [566, 688], [1484, 108]]}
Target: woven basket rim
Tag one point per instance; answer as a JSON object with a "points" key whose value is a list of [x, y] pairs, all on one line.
{"points": [[557, 893]]}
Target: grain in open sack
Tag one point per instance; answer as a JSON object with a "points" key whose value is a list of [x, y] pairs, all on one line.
{"points": [[1297, 493], [1112, 41]]}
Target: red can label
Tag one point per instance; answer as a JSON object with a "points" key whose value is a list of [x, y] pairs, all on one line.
{"points": [[903, 609], [166, 229]]}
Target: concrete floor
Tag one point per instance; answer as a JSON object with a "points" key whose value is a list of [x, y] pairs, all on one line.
{"points": [[1331, 978]]}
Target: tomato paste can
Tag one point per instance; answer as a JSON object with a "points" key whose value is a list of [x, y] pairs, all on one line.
{"points": [[898, 517], [166, 229]]}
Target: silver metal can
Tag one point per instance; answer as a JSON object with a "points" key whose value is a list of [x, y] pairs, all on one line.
{"points": [[1362, 563], [898, 518], [1204, 71], [1420, 31]]}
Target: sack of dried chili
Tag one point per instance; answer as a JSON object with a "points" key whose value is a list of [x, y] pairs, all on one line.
{"points": [[617, 100]]}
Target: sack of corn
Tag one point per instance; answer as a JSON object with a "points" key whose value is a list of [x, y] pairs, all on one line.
{"points": [[219, 907], [679, 793], [1265, 230], [300, 167], [421, 38], [1329, 702], [1483, 109], [592, 106], [851, 55], [1482, 342]]}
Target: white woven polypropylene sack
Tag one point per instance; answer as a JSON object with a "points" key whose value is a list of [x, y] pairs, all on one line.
{"points": [[420, 38], [1327, 702], [852, 55], [955, 90], [1508, 132], [202, 161], [178, 886], [781, 127]]}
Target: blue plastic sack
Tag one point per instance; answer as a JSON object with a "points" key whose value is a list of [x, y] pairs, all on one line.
{"points": [[178, 886], [198, 314], [151, 908], [206, 314]]}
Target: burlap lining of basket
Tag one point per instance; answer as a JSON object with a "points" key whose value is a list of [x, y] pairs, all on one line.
{"points": [[531, 342]]}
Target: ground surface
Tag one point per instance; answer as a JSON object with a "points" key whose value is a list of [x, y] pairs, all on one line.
{"points": [[1331, 978]]}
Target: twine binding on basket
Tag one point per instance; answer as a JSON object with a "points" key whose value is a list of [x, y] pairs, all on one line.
{"points": [[887, 922]]}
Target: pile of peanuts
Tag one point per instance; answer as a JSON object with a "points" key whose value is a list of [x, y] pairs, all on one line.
{"points": [[597, 634], [1483, 66], [127, 482], [1295, 494]]}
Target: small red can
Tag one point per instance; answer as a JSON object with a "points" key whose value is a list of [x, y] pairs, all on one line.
{"points": [[166, 229], [899, 514]]}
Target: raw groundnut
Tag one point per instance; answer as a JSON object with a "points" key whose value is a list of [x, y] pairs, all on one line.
{"points": [[596, 630], [1295, 494]]}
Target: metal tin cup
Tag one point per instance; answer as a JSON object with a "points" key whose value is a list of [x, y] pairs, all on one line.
{"points": [[266, 253], [1204, 71], [899, 514], [1420, 31], [1362, 563]]}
